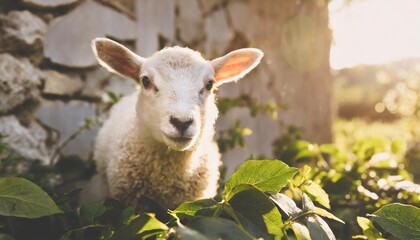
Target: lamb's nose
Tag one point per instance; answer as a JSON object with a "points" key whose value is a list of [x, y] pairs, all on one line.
{"points": [[180, 125]]}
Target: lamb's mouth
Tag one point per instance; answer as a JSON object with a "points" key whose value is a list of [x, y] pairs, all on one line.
{"points": [[181, 140]]}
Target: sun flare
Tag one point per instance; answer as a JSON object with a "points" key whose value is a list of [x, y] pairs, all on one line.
{"points": [[374, 31]]}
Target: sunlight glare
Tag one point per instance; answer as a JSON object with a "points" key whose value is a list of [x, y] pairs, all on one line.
{"points": [[374, 31]]}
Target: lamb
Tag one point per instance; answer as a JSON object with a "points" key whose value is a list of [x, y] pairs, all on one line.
{"points": [[158, 142]]}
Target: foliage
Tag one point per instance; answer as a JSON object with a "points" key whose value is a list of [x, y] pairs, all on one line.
{"points": [[234, 137], [21, 198], [61, 175], [400, 220], [255, 108], [262, 199], [355, 177], [247, 209], [328, 192]]}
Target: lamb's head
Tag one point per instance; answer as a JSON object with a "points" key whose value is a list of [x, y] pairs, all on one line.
{"points": [[176, 102]]}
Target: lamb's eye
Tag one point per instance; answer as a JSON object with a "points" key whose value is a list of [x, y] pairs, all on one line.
{"points": [[145, 81], [209, 85]]}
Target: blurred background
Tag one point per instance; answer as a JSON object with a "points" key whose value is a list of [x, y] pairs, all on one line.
{"points": [[338, 89]]}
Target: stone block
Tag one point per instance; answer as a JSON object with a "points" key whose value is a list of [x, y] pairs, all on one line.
{"points": [[95, 82], [67, 118], [125, 6], [155, 18], [239, 14], [69, 37], [210, 5], [19, 82], [28, 141], [219, 34], [56, 83], [21, 30], [119, 85], [190, 22]]}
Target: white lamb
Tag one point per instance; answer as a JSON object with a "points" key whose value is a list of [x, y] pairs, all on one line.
{"points": [[158, 142]]}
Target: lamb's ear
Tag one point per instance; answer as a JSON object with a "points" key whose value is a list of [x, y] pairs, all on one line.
{"points": [[117, 58], [235, 64]]}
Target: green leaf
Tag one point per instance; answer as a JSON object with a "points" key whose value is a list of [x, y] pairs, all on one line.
{"points": [[265, 175], [127, 213], [217, 228], [301, 231], [22, 198], [114, 97], [300, 149], [319, 229], [400, 220], [257, 207], [399, 146], [368, 229], [315, 191], [286, 204], [245, 223], [213, 211], [324, 213], [307, 204], [191, 208], [185, 233], [67, 235], [91, 211], [140, 226], [302, 176], [383, 160], [5, 237]]}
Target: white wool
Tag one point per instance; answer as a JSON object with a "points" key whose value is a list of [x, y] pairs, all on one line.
{"points": [[135, 166], [138, 148]]}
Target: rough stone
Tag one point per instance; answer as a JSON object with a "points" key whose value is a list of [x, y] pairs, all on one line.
{"points": [[238, 41], [219, 34], [57, 83], [305, 93], [239, 14], [19, 82], [28, 142], [67, 118], [210, 5], [95, 82], [49, 3], [21, 30], [155, 19], [119, 85], [125, 6], [69, 37], [189, 22]]}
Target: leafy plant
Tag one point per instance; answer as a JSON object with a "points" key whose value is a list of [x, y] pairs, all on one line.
{"points": [[234, 136], [271, 108], [250, 206], [402, 221], [264, 199], [352, 182], [251, 200], [21, 198]]}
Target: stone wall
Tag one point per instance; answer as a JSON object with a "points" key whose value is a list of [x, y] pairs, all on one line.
{"points": [[50, 81]]}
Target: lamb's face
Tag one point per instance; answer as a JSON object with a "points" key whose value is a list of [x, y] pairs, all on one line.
{"points": [[176, 100], [176, 97]]}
